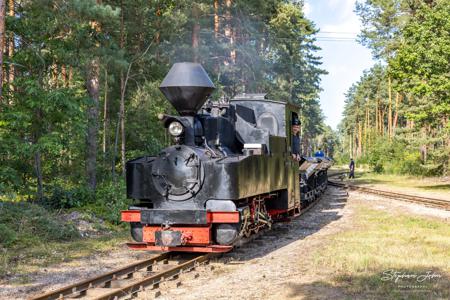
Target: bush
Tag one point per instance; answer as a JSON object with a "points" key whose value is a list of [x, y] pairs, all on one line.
{"points": [[7, 235], [23, 223], [110, 199], [60, 196]]}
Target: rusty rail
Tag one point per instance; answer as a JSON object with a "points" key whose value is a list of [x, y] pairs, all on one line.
{"points": [[104, 285], [432, 202]]}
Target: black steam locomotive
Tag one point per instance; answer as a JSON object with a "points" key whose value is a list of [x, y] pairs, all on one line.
{"points": [[228, 175]]}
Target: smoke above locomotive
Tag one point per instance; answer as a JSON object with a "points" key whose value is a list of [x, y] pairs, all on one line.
{"points": [[228, 175]]}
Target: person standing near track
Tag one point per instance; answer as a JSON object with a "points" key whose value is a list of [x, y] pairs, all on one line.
{"points": [[352, 169], [319, 153]]}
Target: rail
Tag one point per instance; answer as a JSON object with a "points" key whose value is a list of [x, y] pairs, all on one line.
{"points": [[127, 281], [432, 202]]}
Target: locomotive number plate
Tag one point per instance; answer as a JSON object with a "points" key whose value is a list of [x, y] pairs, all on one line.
{"points": [[168, 238]]}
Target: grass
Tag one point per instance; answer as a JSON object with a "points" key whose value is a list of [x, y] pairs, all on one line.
{"points": [[32, 237], [22, 262], [412, 183], [365, 261]]}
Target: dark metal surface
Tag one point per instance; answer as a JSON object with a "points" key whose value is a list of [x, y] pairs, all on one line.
{"points": [[178, 173], [187, 87], [173, 216], [168, 238]]}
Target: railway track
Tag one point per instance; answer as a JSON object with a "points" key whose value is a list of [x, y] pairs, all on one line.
{"points": [[145, 275], [130, 280], [431, 202]]}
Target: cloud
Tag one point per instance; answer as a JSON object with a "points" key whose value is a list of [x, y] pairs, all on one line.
{"points": [[351, 26], [345, 6], [346, 24], [307, 9]]}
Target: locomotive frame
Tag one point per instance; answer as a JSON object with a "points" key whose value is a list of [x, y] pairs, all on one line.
{"points": [[229, 174]]}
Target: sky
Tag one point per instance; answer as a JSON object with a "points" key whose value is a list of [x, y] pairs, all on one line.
{"points": [[342, 56]]}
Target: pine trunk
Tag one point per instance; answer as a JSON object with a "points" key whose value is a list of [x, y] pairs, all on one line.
{"points": [[122, 121], [64, 75], [122, 95], [366, 127], [359, 139], [105, 113], [157, 34], [394, 125], [382, 123], [93, 87], [376, 117], [390, 108], [195, 32], [216, 19], [229, 32], [69, 82], [38, 170], [2, 44], [11, 48]]}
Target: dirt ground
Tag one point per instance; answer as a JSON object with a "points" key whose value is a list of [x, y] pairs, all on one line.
{"points": [[60, 275], [276, 265]]}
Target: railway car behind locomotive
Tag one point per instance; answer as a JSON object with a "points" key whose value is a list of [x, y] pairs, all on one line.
{"points": [[228, 175]]}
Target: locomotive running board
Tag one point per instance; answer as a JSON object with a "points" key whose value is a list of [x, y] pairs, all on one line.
{"points": [[206, 249]]}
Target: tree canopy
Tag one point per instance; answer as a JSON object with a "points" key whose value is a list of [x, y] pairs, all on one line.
{"points": [[80, 81], [397, 115]]}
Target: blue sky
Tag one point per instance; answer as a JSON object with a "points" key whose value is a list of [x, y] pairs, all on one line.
{"points": [[342, 56]]}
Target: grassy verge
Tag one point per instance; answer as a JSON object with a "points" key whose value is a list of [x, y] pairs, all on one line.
{"points": [[388, 256], [32, 237], [414, 184]]}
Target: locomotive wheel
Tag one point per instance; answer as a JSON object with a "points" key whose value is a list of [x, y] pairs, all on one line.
{"points": [[226, 234], [137, 232]]}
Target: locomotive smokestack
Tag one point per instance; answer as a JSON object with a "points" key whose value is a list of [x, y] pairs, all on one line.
{"points": [[187, 87]]}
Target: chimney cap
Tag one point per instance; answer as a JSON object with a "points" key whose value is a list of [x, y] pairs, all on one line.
{"points": [[187, 86]]}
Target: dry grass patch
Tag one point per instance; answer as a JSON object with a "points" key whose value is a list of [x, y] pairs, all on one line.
{"points": [[25, 261], [389, 255]]}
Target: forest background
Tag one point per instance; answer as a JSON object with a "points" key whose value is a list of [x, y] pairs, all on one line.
{"points": [[396, 117], [79, 93], [80, 84]]}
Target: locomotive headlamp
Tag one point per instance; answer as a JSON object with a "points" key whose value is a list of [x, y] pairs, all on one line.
{"points": [[175, 128]]}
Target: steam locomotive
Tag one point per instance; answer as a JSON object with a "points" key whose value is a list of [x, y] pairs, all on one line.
{"points": [[228, 175]]}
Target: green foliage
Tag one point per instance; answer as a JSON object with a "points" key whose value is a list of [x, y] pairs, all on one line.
{"points": [[23, 224], [421, 65], [412, 39], [259, 46], [60, 196], [110, 199], [43, 119]]}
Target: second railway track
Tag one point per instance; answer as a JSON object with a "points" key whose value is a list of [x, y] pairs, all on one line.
{"points": [[432, 202], [130, 280]]}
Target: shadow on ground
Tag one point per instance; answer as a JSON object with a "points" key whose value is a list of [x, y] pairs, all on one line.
{"points": [[435, 187], [324, 212], [417, 283]]}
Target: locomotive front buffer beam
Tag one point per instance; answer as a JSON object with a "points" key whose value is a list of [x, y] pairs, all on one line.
{"points": [[193, 234]]}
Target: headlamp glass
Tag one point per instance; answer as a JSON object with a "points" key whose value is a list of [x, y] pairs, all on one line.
{"points": [[175, 128]]}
